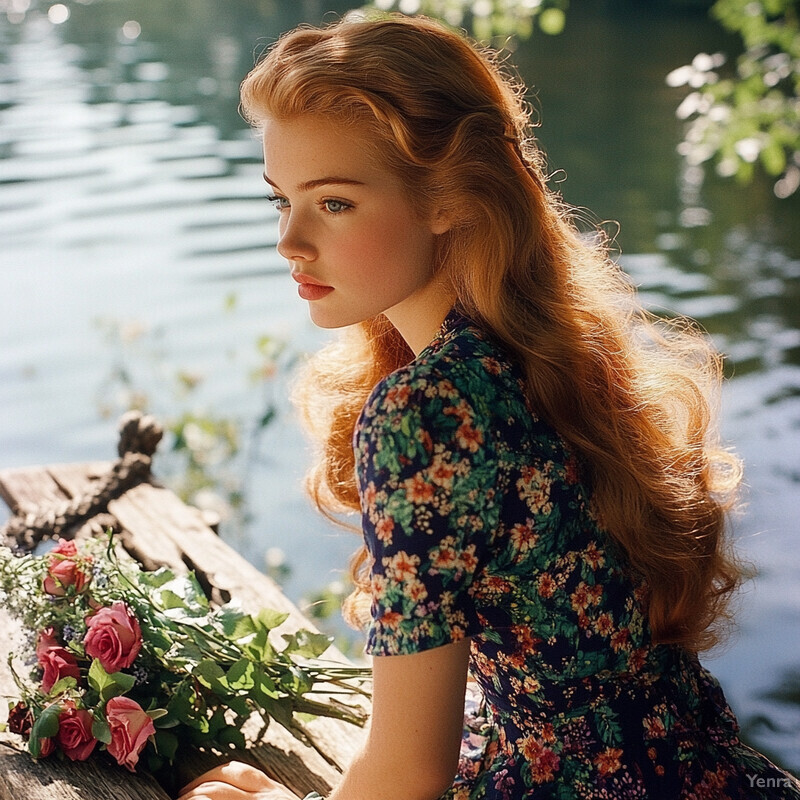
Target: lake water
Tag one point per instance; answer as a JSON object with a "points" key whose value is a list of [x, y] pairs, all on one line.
{"points": [[137, 257]]}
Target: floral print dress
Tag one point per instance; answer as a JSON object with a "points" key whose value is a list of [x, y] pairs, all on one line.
{"points": [[479, 525]]}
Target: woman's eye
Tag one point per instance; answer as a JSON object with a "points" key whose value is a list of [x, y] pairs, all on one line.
{"points": [[335, 206], [279, 202]]}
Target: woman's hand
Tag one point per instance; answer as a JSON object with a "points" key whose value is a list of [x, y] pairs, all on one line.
{"points": [[235, 781]]}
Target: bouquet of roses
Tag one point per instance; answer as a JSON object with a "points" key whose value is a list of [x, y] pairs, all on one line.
{"points": [[136, 662]]}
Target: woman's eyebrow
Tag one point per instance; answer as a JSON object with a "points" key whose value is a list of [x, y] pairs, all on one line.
{"points": [[317, 182]]}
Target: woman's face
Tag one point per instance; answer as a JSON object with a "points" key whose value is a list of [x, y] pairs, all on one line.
{"points": [[350, 231]]}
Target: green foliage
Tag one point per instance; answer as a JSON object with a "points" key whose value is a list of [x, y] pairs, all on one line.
{"points": [[489, 20], [106, 686], [750, 116]]}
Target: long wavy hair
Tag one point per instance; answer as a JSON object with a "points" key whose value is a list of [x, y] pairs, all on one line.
{"points": [[632, 394]]}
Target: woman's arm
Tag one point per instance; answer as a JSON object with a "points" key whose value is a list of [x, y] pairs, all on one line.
{"points": [[413, 741]]}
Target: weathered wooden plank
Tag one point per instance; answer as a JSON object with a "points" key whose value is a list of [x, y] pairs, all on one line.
{"points": [[75, 479], [157, 515], [29, 487], [21, 778]]}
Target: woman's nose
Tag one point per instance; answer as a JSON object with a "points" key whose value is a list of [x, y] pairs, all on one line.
{"points": [[294, 242]]}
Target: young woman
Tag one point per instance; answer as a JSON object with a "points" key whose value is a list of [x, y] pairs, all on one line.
{"points": [[542, 495]]}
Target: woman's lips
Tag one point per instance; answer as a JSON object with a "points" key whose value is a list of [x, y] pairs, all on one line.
{"points": [[310, 288], [313, 291]]}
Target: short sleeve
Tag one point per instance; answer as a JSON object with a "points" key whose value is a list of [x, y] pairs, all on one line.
{"points": [[426, 474]]}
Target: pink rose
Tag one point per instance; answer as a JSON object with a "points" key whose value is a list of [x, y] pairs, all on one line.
{"points": [[56, 661], [75, 732], [114, 637], [64, 570], [130, 728]]}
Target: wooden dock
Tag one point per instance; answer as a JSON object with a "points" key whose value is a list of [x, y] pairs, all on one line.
{"points": [[158, 529]]}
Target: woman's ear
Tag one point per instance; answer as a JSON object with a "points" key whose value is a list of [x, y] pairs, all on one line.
{"points": [[441, 222]]}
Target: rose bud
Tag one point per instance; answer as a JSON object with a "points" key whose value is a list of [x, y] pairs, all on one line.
{"points": [[75, 732], [114, 637], [46, 746], [64, 570], [56, 661], [130, 728], [20, 719]]}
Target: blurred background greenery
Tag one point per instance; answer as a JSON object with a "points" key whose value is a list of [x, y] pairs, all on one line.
{"points": [[138, 266]]}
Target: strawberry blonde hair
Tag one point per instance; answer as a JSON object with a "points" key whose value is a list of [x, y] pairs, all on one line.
{"points": [[632, 394]]}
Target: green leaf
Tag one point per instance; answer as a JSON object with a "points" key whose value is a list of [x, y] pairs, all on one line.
{"points": [[101, 731], [185, 654], [182, 704], [270, 618], [259, 648], [166, 744], [46, 725], [186, 593], [297, 681], [280, 709], [307, 644], [169, 721], [217, 722], [156, 578], [157, 639], [59, 687], [109, 685], [211, 675], [170, 599], [98, 677], [264, 689], [239, 705], [240, 675], [122, 683], [236, 624], [232, 737], [154, 763]]}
